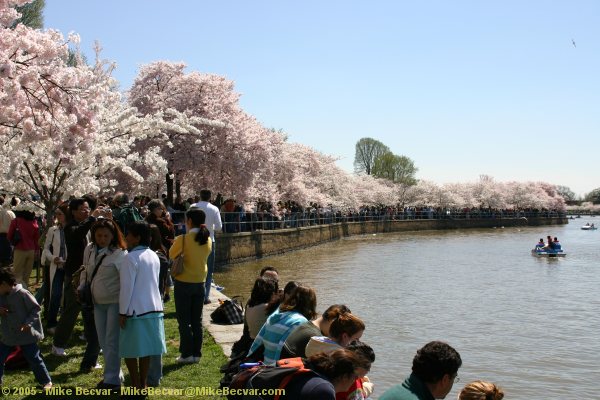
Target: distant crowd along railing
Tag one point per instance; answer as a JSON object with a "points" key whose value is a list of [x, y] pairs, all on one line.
{"points": [[239, 221], [583, 212]]}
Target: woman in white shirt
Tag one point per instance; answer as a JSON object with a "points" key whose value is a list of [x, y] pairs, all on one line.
{"points": [[140, 305]]}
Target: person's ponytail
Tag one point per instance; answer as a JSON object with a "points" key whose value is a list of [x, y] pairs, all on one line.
{"points": [[198, 217], [202, 235]]}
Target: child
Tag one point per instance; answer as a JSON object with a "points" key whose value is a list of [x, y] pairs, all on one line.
{"points": [[20, 326]]}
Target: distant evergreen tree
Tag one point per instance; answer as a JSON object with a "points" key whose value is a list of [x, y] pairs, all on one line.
{"points": [[32, 14]]}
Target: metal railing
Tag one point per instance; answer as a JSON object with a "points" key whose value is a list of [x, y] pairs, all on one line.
{"points": [[236, 222]]}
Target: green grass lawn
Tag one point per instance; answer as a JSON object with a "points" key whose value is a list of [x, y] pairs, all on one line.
{"points": [[65, 371]]}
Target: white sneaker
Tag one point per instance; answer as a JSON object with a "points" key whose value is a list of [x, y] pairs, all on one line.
{"points": [[185, 360], [58, 351], [196, 360]]}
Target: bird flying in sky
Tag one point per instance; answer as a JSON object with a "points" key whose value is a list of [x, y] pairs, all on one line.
{"points": [[572, 41]]}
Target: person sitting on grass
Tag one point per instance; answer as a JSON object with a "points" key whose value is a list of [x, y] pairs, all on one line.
{"points": [[21, 326]]}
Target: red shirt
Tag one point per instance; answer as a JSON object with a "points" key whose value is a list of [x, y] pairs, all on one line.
{"points": [[355, 392], [30, 234]]}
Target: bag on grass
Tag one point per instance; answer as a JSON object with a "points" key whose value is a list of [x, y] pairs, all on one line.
{"points": [[229, 312]]}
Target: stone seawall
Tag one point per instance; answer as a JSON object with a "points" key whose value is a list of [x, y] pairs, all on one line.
{"points": [[238, 247]]}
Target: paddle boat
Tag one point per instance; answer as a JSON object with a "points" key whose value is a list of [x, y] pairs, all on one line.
{"points": [[541, 252], [589, 227]]}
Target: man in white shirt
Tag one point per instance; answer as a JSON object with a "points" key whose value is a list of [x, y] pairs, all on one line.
{"points": [[6, 216], [213, 223]]}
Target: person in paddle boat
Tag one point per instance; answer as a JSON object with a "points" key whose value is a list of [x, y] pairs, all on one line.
{"points": [[557, 245], [549, 244], [540, 245]]}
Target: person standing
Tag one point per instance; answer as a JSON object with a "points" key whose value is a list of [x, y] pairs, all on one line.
{"points": [[142, 332], [76, 240], [102, 260], [189, 285], [213, 223], [27, 245], [434, 371], [124, 212], [6, 216], [55, 253]]}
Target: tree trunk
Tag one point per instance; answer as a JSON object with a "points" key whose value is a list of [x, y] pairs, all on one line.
{"points": [[169, 199], [177, 185]]}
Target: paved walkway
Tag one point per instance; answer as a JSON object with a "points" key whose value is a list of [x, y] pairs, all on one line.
{"points": [[224, 335]]}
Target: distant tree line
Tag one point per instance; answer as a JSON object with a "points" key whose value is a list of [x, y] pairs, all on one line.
{"points": [[374, 158]]}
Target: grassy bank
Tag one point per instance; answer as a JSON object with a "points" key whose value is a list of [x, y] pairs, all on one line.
{"points": [[65, 371]]}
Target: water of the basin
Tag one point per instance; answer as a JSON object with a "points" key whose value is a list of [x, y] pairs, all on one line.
{"points": [[530, 325]]}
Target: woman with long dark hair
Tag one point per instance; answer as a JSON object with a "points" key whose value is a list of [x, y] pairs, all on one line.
{"points": [[299, 308], [256, 315], [102, 260], [196, 246]]}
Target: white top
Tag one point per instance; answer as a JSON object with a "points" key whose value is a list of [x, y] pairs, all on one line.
{"points": [[139, 283], [256, 318], [105, 286], [213, 217], [52, 238], [5, 217]]}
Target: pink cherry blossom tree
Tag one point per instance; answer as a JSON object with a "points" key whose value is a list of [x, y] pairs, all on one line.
{"points": [[220, 147], [63, 127]]}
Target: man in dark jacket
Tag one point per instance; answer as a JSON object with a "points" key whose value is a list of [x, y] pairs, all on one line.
{"points": [[76, 240]]}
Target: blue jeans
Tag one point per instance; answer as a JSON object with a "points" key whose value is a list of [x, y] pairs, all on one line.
{"points": [[189, 301], [106, 317], [211, 268], [55, 296], [32, 355], [155, 371]]}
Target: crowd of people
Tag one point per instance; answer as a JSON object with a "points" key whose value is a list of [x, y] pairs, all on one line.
{"points": [[282, 327], [104, 260], [110, 263], [262, 215]]}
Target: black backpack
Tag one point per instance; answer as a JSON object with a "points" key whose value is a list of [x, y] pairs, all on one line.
{"points": [[268, 377]]}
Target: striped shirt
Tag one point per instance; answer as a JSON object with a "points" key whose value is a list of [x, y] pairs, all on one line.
{"points": [[274, 333]]}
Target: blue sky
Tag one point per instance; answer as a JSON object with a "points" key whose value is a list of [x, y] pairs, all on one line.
{"points": [[461, 87]]}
